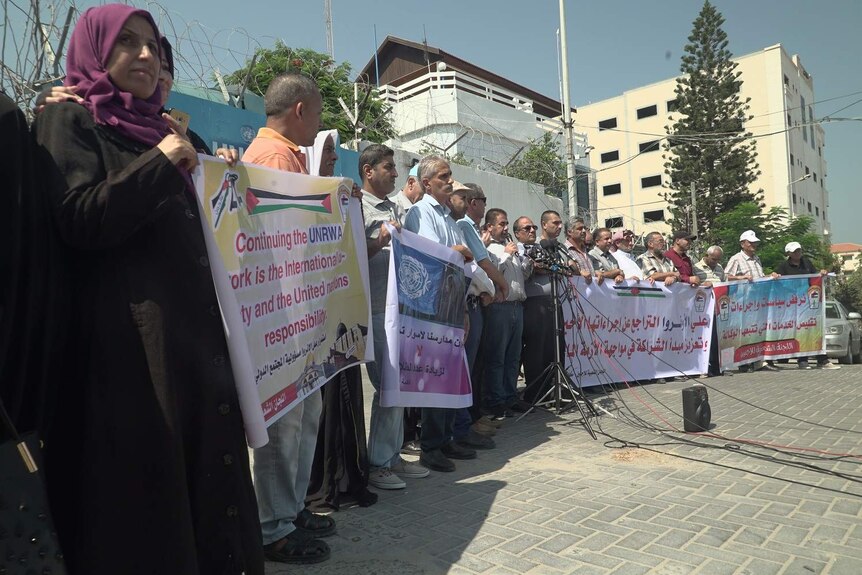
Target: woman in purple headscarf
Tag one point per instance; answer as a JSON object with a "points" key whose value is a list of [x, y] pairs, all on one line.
{"points": [[146, 462]]}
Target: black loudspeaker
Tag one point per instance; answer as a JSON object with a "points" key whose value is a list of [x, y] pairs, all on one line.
{"points": [[695, 408]]}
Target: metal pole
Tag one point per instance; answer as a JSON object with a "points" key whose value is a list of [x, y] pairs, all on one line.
{"points": [[693, 210], [567, 118]]}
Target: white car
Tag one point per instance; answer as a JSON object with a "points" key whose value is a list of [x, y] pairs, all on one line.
{"points": [[843, 337]]}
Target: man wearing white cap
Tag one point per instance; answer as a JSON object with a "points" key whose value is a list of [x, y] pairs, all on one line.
{"points": [[411, 192], [746, 265], [797, 264]]}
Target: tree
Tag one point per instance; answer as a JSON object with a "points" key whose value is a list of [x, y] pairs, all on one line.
{"points": [[458, 158], [540, 163], [775, 229], [708, 145], [333, 81], [848, 290]]}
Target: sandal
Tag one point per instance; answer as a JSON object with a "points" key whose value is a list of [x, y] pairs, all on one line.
{"points": [[313, 525], [297, 549]]}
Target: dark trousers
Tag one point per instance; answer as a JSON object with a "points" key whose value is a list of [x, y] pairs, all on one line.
{"points": [[437, 426], [539, 342]]}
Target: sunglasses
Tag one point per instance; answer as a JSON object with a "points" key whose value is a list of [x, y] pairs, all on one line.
{"points": [[529, 228]]}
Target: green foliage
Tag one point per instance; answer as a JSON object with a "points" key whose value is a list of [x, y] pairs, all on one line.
{"points": [[540, 163], [848, 290], [775, 230], [332, 79], [707, 145]]}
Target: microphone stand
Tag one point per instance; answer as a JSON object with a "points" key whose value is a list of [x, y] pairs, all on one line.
{"points": [[555, 372]]}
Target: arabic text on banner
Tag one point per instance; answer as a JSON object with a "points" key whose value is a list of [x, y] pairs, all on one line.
{"points": [[769, 319], [293, 293], [634, 331], [425, 304]]}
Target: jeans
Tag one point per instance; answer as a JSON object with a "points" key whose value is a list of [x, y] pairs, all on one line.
{"points": [[463, 419], [436, 430], [502, 353], [282, 468], [386, 431]]}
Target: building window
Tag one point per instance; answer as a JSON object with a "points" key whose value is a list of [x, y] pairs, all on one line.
{"points": [[816, 210], [647, 112], [650, 181], [791, 159], [650, 146], [672, 106], [673, 142], [815, 176], [614, 222], [608, 124], [806, 170], [653, 216], [786, 80], [804, 127], [809, 207], [811, 125], [612, 189], [789, 121], [794, 199], [610, 156]]}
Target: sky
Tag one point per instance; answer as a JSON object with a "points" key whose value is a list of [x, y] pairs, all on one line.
{"points": [[613, 46]]}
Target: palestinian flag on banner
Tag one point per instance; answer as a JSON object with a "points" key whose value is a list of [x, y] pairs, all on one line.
{"points": [[639, 291], [261, 201]]}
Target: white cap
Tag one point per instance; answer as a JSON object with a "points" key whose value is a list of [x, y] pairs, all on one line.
{"points": [[792, 247], [749, 235]]}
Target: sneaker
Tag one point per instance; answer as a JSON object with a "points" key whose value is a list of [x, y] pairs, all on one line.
{"points": [[453, 450], [383, 478], [482, 429], [768, 367], [828, 365], [476, 441], [410, 470], [436, 460], [411, 448], [489, 420]]}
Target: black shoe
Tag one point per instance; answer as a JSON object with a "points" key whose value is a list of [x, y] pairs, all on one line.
{"points": [[314, 525], [476, 441], [521, 406], [454, 451], [297, 549], [436, 460]]}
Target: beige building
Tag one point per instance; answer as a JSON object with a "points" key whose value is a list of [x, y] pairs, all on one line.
{"points": [[849, 254], [628, 132]]}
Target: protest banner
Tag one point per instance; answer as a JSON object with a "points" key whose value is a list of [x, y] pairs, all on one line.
{"points": [[635, 331], [769, 319], [426, 365], [293, 293]]}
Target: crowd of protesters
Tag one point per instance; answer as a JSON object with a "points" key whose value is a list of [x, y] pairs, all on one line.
{"points": [[113, 345]]}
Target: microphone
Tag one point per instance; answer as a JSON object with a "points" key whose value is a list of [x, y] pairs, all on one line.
{"points": [[552, 247]]}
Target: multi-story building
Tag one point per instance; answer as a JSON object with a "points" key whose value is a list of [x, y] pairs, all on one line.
{"points": [[849, 254], [628, 133], [443, 104]]}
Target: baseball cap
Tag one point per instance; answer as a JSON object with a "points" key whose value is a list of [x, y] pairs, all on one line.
{"points": [[621, 235], [792, 247], [414, 171], [684, 234], [749, 235], [458, 187]]}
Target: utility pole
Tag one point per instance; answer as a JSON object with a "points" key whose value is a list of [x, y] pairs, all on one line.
{"points": [[693, 210], [327, 9], [567, 118]]}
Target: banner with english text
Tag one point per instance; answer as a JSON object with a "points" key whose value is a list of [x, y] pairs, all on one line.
{"points": [[769, 319], [293, 293], [634, 330], [426, 364]]}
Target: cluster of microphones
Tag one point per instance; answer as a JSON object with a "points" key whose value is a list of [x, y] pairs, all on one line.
{"points": [[551, 256]]}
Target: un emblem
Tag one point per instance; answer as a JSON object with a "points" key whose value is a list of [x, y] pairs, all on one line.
{"points": [[413, 278]]}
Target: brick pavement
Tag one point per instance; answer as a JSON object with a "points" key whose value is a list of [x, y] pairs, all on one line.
{"points": [[549, 500]]}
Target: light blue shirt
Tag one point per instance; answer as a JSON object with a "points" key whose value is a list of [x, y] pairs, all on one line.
{"points": [[431, 220], [472, 239]]}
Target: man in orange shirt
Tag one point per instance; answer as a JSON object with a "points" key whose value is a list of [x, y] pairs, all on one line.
{"points": [[282, 467]]}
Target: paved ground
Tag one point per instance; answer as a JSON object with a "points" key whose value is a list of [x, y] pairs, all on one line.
{"points": [[550, 500]]}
